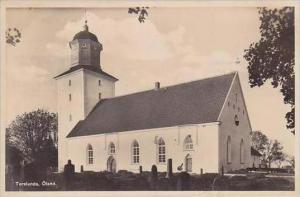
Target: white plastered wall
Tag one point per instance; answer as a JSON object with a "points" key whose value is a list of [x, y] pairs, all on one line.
{"points": [[204, 155], [84, 90], [228, 128], [92, 89], [67, 108]]}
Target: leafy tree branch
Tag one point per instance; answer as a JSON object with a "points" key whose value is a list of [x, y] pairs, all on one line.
{"points": [[273, 56]]}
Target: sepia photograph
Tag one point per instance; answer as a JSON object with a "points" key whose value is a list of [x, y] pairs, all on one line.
{"points": [[149, 97]]}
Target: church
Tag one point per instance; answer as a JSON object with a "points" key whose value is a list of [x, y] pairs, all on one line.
{"points": [[201, 125]]}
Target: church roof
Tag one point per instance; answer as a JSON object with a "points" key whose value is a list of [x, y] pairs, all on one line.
{"points": [[255, 152], [188, 103], [85, 34], [87, 67]]}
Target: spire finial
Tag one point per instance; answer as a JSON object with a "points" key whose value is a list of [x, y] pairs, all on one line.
{"points": [[85, 27]]}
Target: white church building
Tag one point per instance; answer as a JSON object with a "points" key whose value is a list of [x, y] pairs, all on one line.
{"points": [[201, 124]]}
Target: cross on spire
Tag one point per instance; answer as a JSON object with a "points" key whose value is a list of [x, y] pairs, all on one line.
{"points": [[86, 27]]}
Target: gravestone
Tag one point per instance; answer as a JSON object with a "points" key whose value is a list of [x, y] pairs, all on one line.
{"points": [[153, 177], [169, 169], [183, 181], [69, 171], [222, 170], [154, 171], [69, 168]]}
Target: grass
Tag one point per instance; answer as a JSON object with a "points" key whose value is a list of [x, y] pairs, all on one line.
{"points": [[128, 181]]}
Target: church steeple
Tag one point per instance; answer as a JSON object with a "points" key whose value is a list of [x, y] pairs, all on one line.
{"points": [[81, 87], [85, 48]]}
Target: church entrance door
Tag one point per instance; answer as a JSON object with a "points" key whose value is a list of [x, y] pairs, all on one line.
{"points": [[111, 164], [188, 163]]}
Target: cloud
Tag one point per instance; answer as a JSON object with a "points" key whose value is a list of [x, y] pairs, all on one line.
{"points": [[129, 40], [57, 49], [126, 37]]}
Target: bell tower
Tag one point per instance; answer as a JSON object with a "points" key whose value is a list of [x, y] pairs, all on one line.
{"points": [[80, 87], [85, 48]]}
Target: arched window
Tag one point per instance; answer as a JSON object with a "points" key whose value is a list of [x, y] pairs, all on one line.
{"points": [[111, 148], [161, 151], [228, 149], [188, 143], [135, 152], [242, 151], [90, 154]]}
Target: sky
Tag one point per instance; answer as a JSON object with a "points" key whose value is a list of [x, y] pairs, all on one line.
{"points": [[174, 45]]}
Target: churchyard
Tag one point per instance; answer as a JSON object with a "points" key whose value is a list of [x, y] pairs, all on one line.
{"points": [[153, 181]]}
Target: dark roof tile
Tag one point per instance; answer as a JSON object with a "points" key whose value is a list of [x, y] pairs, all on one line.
{"points": [[91, 68], [85, 35]]}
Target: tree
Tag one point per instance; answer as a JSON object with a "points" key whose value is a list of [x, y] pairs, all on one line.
{"points": [[271, 150], [273, 153], [277, 156], [140, 11], [13, 36], [291, 161], [273, 56], [33, 135], [259, 140]]}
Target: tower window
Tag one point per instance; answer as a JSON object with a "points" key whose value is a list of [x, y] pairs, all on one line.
{"points": [[99, 82], [99, 95], [70, 82], [83, 45], [70, 97], [70, 117]]}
